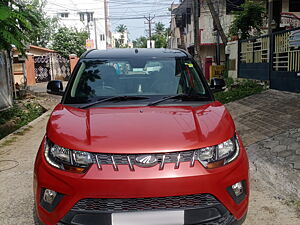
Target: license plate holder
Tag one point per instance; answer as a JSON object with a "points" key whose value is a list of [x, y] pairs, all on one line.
{"points": [[174, 217]]}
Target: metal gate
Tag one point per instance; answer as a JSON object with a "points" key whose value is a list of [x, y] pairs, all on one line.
{"points": [[51, 66], [254, 58], [275, 58], [42, 68], [63, 67], [285, 74]]}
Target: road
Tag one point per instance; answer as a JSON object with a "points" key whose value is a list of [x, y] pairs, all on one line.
{"points": [[16, 197]]}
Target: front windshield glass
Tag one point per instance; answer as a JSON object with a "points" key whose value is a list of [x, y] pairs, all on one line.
{"points": [[96, 79]]}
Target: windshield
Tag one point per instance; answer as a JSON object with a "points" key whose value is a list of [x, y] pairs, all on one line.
{"points": [[96, 79]]}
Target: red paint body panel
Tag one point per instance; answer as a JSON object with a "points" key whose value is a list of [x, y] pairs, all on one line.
{"points": [[139, 130], [128, 130]]}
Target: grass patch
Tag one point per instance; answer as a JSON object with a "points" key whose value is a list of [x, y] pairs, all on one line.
{"points": [[238, 89], [296, 205], [8, 142], [17, 116], [23, 131]]}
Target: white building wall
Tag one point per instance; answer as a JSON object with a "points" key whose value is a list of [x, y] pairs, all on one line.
{"points": [[117, 36], [206, 21], [232, 52], [69, 11]]}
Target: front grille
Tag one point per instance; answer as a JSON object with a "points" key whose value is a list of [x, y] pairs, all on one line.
{"points": [[130, 159], [185, 156], [108, 205]]}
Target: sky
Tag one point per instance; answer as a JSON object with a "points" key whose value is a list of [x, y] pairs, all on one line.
{"points": [[137, 9]]}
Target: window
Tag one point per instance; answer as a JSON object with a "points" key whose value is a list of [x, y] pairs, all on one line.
{"points": [[134, 76], [64, 15], [188, 15], [81, 15], [233, 5], [90, 16], [102, 37], [294, 6]]}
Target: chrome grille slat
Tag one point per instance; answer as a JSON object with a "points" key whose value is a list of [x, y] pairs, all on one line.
{"points": [[98, 163], [162, 164], [193, 159], [114, 163], [116, 160], [178, 161], [131, 167]]}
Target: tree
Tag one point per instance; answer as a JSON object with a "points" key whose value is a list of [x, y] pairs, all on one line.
{"points": [[69, 41], [159, 28], [41, 35], [160, 35], [250, 18], [161, 40], [140, 42], [17, 20], [122, 29]]}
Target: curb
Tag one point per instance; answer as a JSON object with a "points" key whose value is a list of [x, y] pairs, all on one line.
{"points": [[32, 123]]}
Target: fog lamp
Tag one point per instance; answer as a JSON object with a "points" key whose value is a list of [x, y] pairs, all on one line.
{"points": [[49, 196], [237, 189]]}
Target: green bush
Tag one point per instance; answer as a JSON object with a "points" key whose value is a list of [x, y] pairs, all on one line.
{"points": [[18, 116], [238, 90]]}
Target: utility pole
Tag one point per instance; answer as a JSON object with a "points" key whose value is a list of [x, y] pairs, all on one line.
{"points": [[270, 15], [216, 20], [196, 30], [105, 21], [149, 22], [218, 57], [96, 38]]}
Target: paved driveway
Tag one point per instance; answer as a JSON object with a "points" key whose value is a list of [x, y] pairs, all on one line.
{"points": [[266, 205]]}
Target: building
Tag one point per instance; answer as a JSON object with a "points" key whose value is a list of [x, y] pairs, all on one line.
{"points": [[89, 15], [120, 40], [182, 28], [286, 13], [274, 56]]}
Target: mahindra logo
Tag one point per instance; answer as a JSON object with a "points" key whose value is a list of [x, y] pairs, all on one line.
{"points": [[146, 160]]}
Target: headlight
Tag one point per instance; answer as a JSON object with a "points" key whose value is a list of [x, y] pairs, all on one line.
{"points": [[67, 159], [219, 155]]}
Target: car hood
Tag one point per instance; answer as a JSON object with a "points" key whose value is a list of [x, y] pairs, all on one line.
{"points": [[140, 129]]}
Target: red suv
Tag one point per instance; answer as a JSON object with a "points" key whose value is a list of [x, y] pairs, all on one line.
{"points": [[138, 139]]}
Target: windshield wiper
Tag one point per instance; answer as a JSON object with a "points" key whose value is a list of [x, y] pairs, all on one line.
{"points": [[120, 98], [179, 96]]}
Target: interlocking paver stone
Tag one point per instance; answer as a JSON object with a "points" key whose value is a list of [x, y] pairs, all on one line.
{"points": [[271, 144], [294, 145], [279, 148], [285, 153], [297, 165], [293, 158]]}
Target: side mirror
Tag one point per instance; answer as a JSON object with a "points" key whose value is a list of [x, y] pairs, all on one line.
{"points": [[55, 87], [217, 84]]}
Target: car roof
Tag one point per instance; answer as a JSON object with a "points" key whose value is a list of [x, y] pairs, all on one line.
{"points": [[134, 52]]}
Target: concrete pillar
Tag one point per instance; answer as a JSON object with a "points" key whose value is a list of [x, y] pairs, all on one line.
{"points": [[29, 66], [73, 61]]}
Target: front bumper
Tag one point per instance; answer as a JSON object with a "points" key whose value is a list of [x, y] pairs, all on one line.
{"points": [[141, 183]]}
